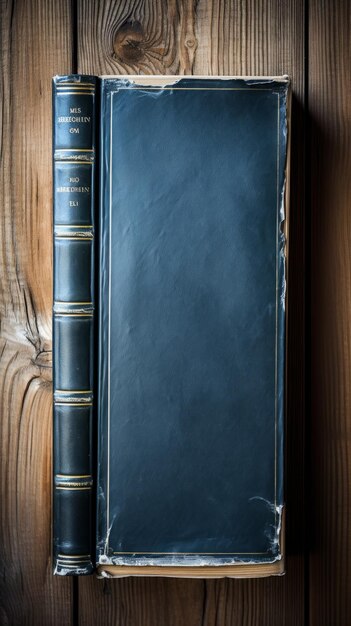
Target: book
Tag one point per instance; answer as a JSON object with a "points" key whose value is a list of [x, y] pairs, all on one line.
{"points": [[169, 325]]}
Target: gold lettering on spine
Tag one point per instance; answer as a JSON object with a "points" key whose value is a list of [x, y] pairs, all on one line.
{"points": [[73, 119], [73, 189]]}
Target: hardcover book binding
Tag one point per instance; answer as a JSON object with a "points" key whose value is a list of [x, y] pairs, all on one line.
{"points": [[74, 110], [190, 341]]}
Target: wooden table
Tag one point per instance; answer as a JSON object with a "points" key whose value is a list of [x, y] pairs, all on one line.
{"points": [[309, 40]]}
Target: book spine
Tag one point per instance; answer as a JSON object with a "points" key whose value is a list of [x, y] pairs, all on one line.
{"points": [[74, 159]]}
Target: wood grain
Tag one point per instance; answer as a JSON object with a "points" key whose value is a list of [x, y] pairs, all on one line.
{"points": [[154, 37], [207, 37], [36, 43], [330, 147], [178, 37]]}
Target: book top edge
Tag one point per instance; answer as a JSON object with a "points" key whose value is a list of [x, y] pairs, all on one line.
{"points": [[177, 77], [171, 79]]}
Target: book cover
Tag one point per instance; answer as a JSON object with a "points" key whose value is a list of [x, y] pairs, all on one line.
{"points": [[169, 318]]}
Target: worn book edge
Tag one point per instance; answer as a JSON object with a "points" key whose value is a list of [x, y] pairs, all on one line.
{"points": [[105, 568], [239, 570]]}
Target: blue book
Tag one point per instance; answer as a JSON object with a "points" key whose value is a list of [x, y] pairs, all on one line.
{"points": [[170, 245]]}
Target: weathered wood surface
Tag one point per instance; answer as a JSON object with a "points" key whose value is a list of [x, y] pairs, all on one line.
{"points": [[330, 148], [36, 43], [41, 38]]}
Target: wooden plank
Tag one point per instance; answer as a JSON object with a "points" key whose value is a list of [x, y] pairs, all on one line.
{"points": [[330, 146], [36, 43], [240, 37]]}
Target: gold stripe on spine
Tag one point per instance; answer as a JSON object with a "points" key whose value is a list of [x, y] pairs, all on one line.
{"points": [[73, 488], [69, 314], [73, 565], [78, 92], [86, 230], [68, 84], [74, 93], [82, 404], [64, 231], [74, 235], [72, 391], [72, 161], [73, 484], [65, 562], [74, 238], [81, 484], [73, 476], [73, 87], [73, 307], [61, 312], [80, 226], [71, 397], [91, 150], [73, 556]]}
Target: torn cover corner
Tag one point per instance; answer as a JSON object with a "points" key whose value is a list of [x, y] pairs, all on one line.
{"points": [[110, 565]]}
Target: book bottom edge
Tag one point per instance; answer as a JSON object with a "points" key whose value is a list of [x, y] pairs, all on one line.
{"points": [[242, 570]]}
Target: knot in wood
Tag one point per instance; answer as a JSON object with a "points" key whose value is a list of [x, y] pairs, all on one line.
{"points": [[191, 43], [129, 42]]}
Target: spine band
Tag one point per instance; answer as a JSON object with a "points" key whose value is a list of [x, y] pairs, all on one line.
{"points": [[74, 152]]}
